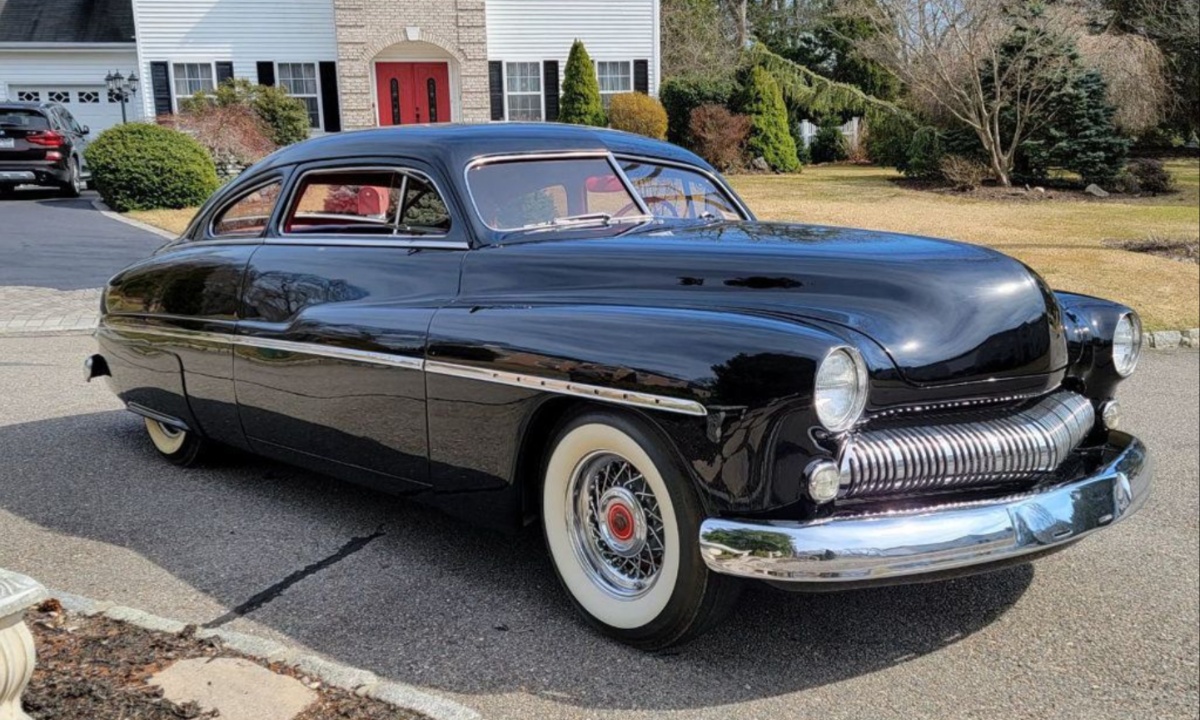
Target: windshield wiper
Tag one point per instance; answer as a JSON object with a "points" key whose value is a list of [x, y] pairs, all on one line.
{"points": [[585, 219]]}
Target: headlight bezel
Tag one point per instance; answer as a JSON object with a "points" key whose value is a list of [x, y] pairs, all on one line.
{"points": [[862, 384], [1127, 367]]}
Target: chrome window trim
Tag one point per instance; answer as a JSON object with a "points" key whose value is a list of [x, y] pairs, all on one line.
{"points": [[721, 186], [629, 398], [210, 230], [361, 239], [535, 156]]}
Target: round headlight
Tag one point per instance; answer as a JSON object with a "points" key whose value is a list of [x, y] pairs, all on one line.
{"points": [[841, 389], [1127, 344]]}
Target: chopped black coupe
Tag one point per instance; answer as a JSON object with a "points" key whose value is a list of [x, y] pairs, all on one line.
{"points": [[524, 323]]}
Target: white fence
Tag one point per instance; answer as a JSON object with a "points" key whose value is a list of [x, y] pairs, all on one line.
{"points": [[851, 130]]}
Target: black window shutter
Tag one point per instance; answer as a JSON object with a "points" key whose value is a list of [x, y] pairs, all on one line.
{"points": [[224, 72], [496, 88], [331, 112], [641, 76], [266, 72], [160, 85], [550, 89]]}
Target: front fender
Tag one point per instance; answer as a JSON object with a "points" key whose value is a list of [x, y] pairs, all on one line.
{"points": [[1090, 324], [751, 375]]}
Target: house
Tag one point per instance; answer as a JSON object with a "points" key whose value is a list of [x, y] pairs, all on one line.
{"points": [[61, 51], [362, 63]]}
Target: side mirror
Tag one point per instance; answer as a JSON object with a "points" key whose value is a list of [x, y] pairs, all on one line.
{"points": [[85, 130]]}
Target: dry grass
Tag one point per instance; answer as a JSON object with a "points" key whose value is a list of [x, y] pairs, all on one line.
{"points": [[1067, 242], [175, 221]]}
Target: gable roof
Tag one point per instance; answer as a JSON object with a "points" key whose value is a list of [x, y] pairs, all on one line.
{"points": [[66, 21]]}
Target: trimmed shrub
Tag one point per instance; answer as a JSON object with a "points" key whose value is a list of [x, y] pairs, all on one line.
{"points": [[829, 145], [924, 155], [964, 173], [719, 136], [680, 96], [638, 113], [141, 166], [579, 102], [770, 137], [1151, 176]]}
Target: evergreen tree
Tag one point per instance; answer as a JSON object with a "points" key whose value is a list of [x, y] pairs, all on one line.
{"points": [[579, 102], [770, 137], [1079, 135]]}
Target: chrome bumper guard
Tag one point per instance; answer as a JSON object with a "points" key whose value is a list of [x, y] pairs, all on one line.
{"points": [[905, 545]]}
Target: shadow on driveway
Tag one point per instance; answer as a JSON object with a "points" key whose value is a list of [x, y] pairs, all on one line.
{"points": [[438, 603]]}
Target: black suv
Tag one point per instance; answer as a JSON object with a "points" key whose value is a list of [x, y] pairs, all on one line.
{"points": [[41, 144]]}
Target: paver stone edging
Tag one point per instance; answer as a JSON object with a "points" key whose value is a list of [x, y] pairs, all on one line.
{"points": [[355, 680]]}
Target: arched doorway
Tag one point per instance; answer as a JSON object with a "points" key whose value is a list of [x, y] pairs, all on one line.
{"points": [[415, 82]]}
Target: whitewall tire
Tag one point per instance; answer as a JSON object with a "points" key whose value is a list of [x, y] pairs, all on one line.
{"points": [[177, 445], [621, 521]]}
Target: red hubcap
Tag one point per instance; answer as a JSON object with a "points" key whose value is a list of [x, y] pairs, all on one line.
{"points": [[620, 522]]}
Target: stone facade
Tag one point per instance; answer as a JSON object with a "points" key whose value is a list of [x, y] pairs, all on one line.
{"points": [[367, 28]]}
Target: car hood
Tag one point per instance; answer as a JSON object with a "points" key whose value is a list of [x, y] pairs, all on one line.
{"points": [[945, 312]]}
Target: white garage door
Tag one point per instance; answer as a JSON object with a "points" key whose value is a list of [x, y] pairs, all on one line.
{"points": [[89, 104]]}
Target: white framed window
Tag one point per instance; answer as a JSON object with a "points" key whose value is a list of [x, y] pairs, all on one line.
{"points": [[29, 96], [300, 81], [523, 91], [615, 77], [89, 96], [60, 96], [191, 78]]}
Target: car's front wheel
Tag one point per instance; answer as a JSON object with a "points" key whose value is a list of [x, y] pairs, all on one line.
{"points": [[622, 523], [179, 446]]}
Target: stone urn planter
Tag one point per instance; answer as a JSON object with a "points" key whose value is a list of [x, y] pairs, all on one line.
{"points": [[17, 594]]}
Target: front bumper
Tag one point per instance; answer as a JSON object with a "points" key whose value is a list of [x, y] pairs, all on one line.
{"points": [[926, 543]]}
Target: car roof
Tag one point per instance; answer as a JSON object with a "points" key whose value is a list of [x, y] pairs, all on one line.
{"points": [[458, 144], [25, 106]]}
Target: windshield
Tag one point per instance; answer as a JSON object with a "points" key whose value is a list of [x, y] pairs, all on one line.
{"points": [[23, 119], [551, 193]]}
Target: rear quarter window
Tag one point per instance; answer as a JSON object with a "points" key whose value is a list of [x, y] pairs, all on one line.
{"points": [[23, 119]]}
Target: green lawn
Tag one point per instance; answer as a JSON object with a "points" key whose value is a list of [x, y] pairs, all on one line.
{"points": [[1064, 240]]}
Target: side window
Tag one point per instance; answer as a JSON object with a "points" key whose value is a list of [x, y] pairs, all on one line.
{"points": [[248, 215], [676, 193], [366, 202]]}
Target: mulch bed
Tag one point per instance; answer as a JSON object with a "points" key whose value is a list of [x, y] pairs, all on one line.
{"points": [[97, 668], [1181, 250], [1017, 193]]}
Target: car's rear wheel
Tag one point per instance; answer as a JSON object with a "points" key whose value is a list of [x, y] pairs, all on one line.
{"points": [[179, 446], [622, 523], [74, 185]]}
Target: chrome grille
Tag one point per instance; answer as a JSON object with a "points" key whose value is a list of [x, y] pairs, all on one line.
{"points": [[1013, 447]]}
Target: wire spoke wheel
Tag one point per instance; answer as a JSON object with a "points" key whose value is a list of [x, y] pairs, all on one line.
{"points": [[616, 525]]}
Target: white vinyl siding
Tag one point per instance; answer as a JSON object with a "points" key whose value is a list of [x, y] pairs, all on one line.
{"points": [[523, 91], [243, 32], [612, 30], [300, 81]]}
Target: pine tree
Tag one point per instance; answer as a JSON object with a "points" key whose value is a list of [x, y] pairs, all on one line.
{"points": [[769, 135], [579, 102]]}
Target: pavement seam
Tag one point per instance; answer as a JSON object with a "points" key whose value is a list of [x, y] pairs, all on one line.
{"points": [[351, 679], [108, 212]]}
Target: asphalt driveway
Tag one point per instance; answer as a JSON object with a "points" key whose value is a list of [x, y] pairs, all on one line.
{"points": [[61, 244], [1108, 629]]}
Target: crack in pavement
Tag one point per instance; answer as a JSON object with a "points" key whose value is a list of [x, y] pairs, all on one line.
{"points": [[260, 599]]}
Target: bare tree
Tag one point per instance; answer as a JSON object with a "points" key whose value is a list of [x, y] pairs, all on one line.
{"points": [[1134, 70], [697, 39], [993, 65]]}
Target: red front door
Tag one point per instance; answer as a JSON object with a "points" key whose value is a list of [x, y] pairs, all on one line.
{"points": [[413, 92]]}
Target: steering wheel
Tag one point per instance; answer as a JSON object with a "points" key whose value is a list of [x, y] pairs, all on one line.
{"points": [[651, 202]]}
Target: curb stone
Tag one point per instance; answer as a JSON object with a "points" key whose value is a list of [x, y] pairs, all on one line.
{"points": [[355, 680], [111, 214]]}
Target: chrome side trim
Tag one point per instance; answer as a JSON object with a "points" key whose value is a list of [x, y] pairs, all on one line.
{"points": [[904, 546], [564, 387], [330, 351], [991, 449], [558, 387]]}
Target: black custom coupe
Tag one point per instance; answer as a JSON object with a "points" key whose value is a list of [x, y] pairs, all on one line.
{"points": [[590, 330]]}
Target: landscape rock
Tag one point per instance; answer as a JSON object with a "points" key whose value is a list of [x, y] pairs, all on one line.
{"points": [[1096, 191], [1040, 190], [761, 164], [1165, 339], [1192, 338]]}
